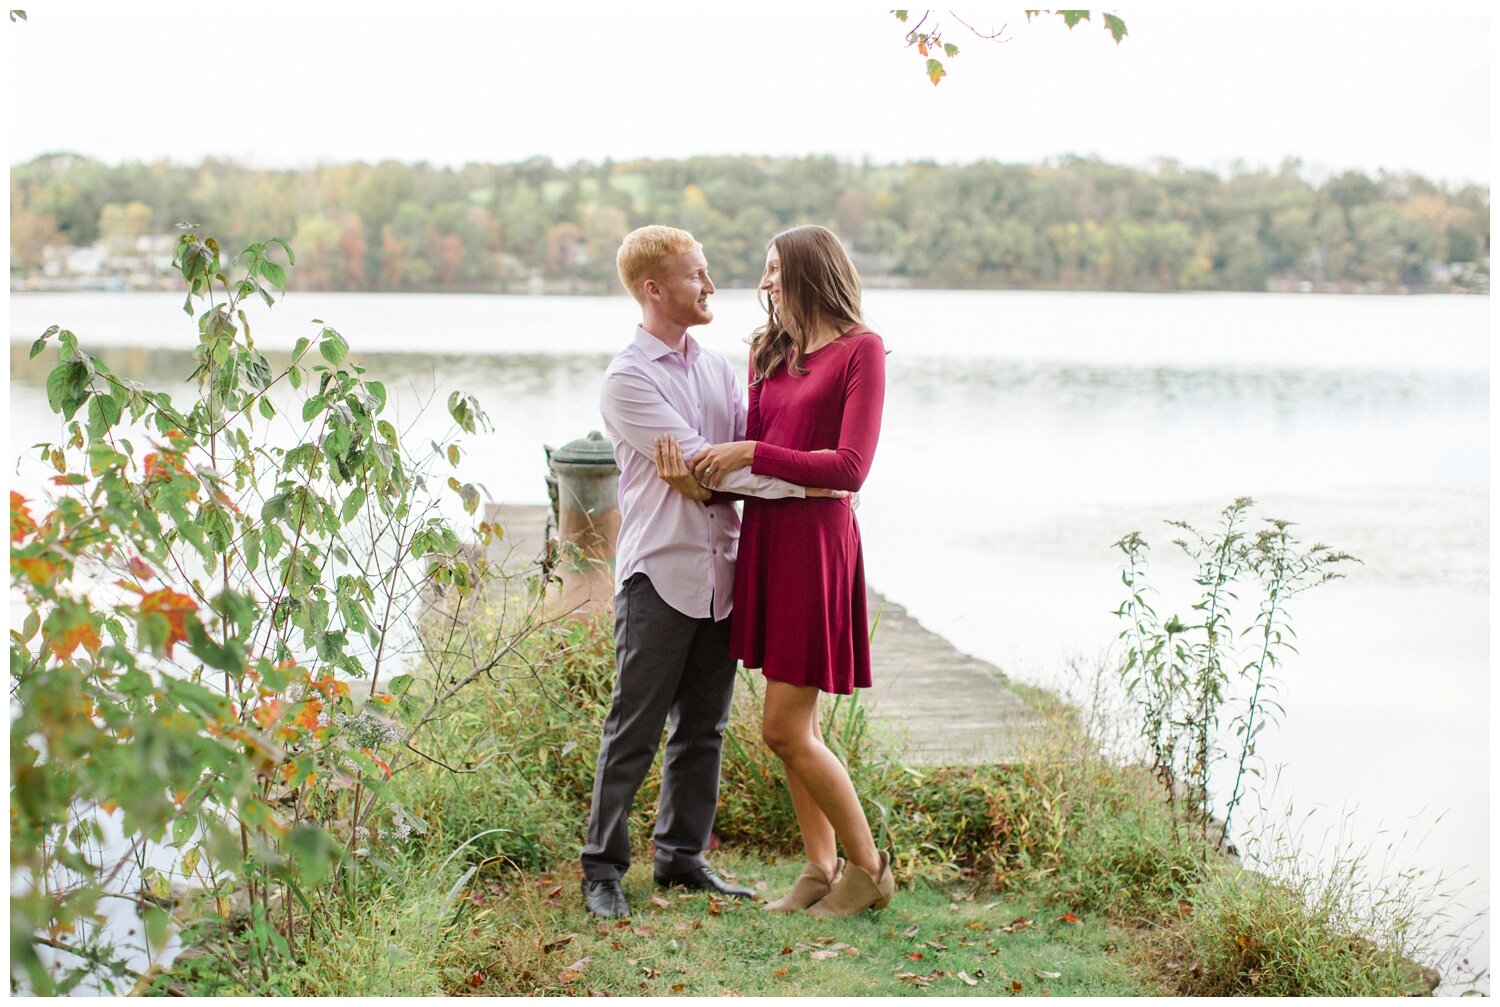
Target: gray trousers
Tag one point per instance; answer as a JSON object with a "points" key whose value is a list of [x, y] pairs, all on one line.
{"points": [[672, 670]]}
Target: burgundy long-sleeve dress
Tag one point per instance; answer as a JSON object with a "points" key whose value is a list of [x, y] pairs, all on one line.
{"points": [[799, 584]]}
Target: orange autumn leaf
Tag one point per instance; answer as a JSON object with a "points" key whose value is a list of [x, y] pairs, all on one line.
{"points": [[311, 710], [164, 466], [267, 714], [922, 48], [64, 643], [141, 568], [1068, 918], [21, 523], [384, 766], [175, 608], [38, 569]]}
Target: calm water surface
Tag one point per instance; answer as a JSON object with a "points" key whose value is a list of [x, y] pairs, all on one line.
{"points": [[1024, 434]]}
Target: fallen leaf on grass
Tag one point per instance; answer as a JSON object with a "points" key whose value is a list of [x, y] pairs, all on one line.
{"points": [[966, 980], [641, 931], [910, 931], [649, 972], [913, 978], [573, 972], [1015, 986], [1017, 925], [915, 956], [715, 908], [1068, 918], [558, 943], [1044, 974], [819, 955], [678, 987], [661, 903], [781, 971], [786, 950], [976, 925], [937, 946], [477, 979]]}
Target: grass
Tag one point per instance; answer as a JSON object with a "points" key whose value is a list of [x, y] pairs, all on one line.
{"points": [[525, 932], [1117, 898]]}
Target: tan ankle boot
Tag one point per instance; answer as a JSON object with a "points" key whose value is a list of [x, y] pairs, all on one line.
{"points": [[856, 891], [811, 885]]}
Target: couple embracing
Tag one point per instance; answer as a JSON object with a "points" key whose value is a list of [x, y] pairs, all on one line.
{"points": [[687, 447]]}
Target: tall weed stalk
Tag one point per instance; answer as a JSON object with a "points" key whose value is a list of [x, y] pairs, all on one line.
{"points": [[1181, 675]]}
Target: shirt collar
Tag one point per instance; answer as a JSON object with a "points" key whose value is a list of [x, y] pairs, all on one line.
{"points": [[655, 349]]}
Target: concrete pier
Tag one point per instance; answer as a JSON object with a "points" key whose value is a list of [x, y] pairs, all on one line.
{"points": [[943, 707]]}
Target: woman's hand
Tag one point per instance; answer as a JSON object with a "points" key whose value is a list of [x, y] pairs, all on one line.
{"points": [[673, 470], [714, 461]]}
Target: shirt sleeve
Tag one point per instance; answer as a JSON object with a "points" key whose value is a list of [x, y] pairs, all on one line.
{"points": [[637, 411], [849, 465]]}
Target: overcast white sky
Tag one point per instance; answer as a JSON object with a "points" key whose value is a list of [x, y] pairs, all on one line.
{"points": [[1340, 86]]}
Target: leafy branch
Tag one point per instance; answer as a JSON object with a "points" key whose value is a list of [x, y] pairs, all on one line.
{"points": [[930, 42]]}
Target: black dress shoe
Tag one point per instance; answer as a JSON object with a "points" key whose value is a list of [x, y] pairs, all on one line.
{"points": [[604, 898], [706, 879]]}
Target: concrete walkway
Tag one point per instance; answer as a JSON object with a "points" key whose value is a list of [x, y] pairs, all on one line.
{"points": [[942, 706]]}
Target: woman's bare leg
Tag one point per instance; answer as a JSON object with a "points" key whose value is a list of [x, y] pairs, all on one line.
{"points": [[818, 840], [789, 726]]}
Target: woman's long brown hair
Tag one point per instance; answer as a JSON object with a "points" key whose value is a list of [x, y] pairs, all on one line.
{"points": [[819, 286]]}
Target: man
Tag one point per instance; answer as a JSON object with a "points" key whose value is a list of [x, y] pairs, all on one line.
{"points": [[674, 574]]}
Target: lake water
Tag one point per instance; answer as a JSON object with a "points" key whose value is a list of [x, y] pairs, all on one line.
{"points": [[1025, 433]]}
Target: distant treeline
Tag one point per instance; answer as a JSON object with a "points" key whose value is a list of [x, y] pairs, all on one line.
{"points": [[1072, 223]]}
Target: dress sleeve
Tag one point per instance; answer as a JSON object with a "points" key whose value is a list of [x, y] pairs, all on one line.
{"points": [[743, 483], [848, 466]]}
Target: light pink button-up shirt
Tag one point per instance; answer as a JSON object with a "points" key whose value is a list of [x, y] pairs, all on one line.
{"points": [[686, 548]]}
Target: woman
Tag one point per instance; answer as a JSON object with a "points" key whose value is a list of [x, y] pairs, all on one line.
{"points": [[817, 386]]}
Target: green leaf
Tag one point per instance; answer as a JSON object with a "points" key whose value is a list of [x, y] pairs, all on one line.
{"points": [[294, 375], [156, 927], [291, 260], [377, 389], [275, 509], [1072, 17], [333, 347], [900, 15], [352, 504], [266, 409], [274, 273], [313, 853], [1115, 26], [313, 407], [950, 49]]}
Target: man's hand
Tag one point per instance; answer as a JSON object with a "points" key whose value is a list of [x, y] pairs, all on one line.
{"points": [[673, 470], [710, 465]]}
